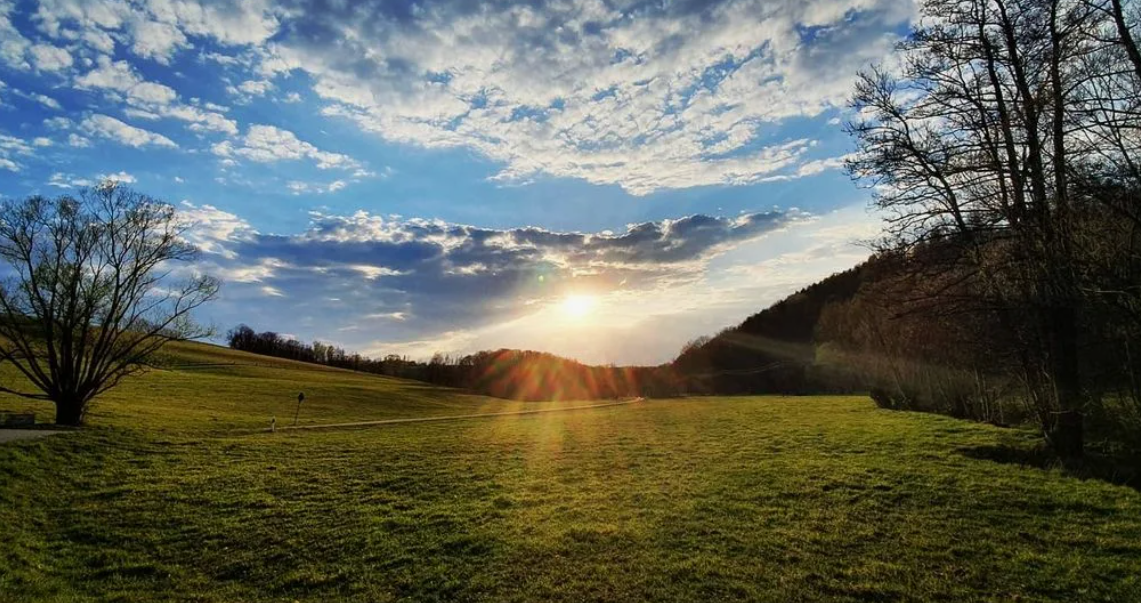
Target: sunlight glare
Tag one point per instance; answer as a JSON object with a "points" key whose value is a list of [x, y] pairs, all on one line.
{"points": [[579, 306]]}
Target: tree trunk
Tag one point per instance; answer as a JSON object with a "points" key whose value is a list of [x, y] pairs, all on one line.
{"points": [[1124, 35], [1066, 435], [69, 412], [1065, 432]]}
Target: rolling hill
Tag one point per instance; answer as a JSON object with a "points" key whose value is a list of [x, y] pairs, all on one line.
{"points": [[176, 493]]}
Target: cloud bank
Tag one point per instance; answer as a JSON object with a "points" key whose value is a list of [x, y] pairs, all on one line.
{"points": [[642, 95], [432, 275]]}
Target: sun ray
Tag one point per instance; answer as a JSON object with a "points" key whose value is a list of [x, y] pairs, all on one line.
{"points": [[579, 305]]}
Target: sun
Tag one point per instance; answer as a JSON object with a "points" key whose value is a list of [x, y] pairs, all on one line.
{"points": [[579, 306]]}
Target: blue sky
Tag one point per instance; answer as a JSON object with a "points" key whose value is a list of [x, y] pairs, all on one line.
{"points": [[421, 177]]}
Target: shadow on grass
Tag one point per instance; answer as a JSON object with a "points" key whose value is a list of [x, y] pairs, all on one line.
{"points": [[1118, 470]]}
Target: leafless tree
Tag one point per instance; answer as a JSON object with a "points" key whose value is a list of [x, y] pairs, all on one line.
{"points": [[989, 136], [89, 292]]}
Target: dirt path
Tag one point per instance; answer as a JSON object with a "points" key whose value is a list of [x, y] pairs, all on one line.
{"points": [[12, 435], [454, 417]]}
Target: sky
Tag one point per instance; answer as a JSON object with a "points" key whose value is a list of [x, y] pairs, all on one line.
{"points": [[602, 180]]}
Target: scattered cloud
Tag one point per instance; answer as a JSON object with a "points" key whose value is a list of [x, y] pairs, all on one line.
{"points": [[250, 89], [10, 149], [215, 231], [643, 96], [13, 45], [156, 30], [45, 100], [50, 58], [151, 100], [76, 141], [667, 95], [120, 77], [304, 188], [266, 144], [121, 177], [113, 129], [64, 180]]}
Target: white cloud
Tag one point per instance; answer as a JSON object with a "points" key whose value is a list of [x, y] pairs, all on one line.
{"points": [[157, 29], [121, 77], [44, 100], [120, 177], [111, 128], [428, 277], [299, 188], [157, 40], [41, 141], [99, 40], [10, 147], [50, 58], [77, 141], [13, 45], [645, 96], [58, 123], [266, 144], [388, 316], [151, 100], [819, 165], [222, 59], [374, 272], [249, 89], [662, 96], [62, 180], [214, 230], [200, 120], [11, 144]]}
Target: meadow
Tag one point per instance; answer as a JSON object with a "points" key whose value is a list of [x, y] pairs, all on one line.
{"points": [[175, 492]]}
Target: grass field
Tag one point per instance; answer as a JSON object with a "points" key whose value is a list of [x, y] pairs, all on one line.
{"points": [[717, 499], [207, 388]]}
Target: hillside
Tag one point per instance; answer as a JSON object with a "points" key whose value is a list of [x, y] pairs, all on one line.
{"points": [[208, 387], [771, 351], [166, 496]]}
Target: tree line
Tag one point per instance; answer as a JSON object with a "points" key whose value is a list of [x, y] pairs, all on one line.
{"points": [[514, 374], [1001, 146]]}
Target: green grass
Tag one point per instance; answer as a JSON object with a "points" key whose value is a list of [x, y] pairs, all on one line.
{"points": [[717, 499], [209, 388]]}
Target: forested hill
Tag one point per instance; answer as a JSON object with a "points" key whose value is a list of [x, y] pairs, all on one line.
{"points": [[772, 350]]}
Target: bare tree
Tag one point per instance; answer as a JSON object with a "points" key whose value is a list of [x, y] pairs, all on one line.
{"points": [[988, 138], [90, 293]]}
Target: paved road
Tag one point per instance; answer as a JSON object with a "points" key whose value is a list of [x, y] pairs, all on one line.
{"points": [[456, 417], [11, 435]]}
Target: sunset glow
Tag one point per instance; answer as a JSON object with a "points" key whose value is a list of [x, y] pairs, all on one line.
{"points": [[600, 180], [579, 306]]}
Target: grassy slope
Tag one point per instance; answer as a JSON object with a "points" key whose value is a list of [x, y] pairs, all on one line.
{"points": [[206, 387], [771, 499]]}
